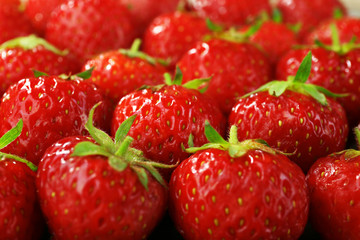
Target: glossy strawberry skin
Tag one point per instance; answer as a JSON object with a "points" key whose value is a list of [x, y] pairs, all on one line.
{"points": [[85, 197], [334, 196], [20, 213], [348, 27], [165, 119], [39, 11], [18, 63], [79, 27], [170, 35], [230, 12], [235, 68], [274, 39], [337, 73], [258, 195], [293, 123], [309, 13], [51, 108], [118, 74]]}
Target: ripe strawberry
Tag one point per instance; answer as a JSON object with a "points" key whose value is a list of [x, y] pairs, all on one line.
{"points": [[273, 36], [20, 56], [20, 214], [334, 195], [51, 108], [89, 27], [230, 12], [170, 35], [336, 67], [238, 190], [293, 117], [348, 27], [144, 11], [39, 11], [102, 190], [13, 23], [309, 13], [121, 72], [166, 117], [236, 69]]}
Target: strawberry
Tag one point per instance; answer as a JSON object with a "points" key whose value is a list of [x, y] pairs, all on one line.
{"points": [[13, 22], [79, 26], [273, 36], [230, 12], [309, 13], [51, 108], [39, 11], [94, 188], [170, 35], [20, 214], [120, 72], [348, 27], [335, 67], [294, 117], [166, 117], [20, 56], [144, 11], [236, 69], [238, 190], [334, 194]]}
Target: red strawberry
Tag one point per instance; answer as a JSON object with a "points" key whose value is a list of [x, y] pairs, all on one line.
{"points": [[236, 69], [336, 67], [166, 116], [121, 72], [102, 190], [51, 108], [231, 12], [39, 11], [20, 214], [293, 117], [308, 13], [334, 195], [170, 35], [144, 11], [20, 56], [348, 27], [238, 190], [13, 22], [89, 27]]}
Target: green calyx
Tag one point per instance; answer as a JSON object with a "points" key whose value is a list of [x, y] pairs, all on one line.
{"points": [[8, 138], [200, 84], [337, 46], [233, 146], [118, 151], [30, 42], [84, 75], [134, 52], [298, 84]]}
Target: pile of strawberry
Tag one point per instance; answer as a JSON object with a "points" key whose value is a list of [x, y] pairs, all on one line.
{"points": [[179, 119]]}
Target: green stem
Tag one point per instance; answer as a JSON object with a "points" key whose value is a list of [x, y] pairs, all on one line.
{"points": [[121, 151]]}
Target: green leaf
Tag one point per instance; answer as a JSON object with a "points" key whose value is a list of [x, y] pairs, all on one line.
{"points": [[357, 136], [168, 79], [313, 92], [155, 173], [206, 146], [86, 74], [117, 163], [142, 175], [11, 135], [32, 166], [124, 146], [38, 73], [212, 26], [304, 70], [253, 29], [277, 88], [124, 129], [87, 148], [191, 140], [30, 42], [338, 13], [98, 135], [212, 135], [178, 76], [197, 83], [277, 16]]}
